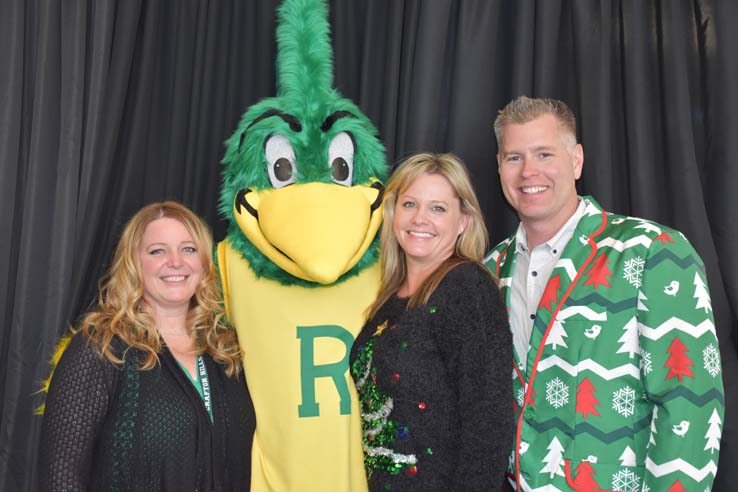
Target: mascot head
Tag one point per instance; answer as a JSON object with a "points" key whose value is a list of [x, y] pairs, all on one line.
{"points": [[302, 185]]}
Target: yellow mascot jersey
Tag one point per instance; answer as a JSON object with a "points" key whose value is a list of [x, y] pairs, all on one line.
{"points": [[296, 343]]}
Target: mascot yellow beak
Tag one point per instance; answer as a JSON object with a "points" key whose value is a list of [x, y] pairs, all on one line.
{"points": [[313, 231]]}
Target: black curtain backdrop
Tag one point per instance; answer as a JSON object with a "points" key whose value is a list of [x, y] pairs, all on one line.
{"points": [[108, 105]]}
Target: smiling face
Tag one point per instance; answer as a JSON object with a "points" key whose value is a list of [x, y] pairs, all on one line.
{"points": [[428, 220], [539, 164], [170, 264]]}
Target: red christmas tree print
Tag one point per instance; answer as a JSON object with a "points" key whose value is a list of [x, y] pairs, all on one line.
{"points": [[584, 481], [678, 362], [586, 400], [664, 238], [676, 487], [550, 293], [597, 275]]}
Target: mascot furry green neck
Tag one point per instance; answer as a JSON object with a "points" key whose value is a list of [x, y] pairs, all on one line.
{"points": [[302, 182]]}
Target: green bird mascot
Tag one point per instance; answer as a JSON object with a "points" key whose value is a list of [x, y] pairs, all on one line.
{"points": [[302, 190]]}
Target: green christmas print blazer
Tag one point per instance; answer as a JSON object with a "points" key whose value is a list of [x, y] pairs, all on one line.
{"points": [[623, 389]]}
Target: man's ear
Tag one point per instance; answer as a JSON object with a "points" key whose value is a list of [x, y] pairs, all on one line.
{"points": [[577, 155]]}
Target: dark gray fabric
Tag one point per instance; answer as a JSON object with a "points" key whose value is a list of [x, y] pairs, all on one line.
{"points": [[447, 368], [110, 427]]}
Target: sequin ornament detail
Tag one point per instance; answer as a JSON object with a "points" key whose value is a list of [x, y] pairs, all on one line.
{"points": [[380, 329], [433, 310], [403, 433], [379, 430]]}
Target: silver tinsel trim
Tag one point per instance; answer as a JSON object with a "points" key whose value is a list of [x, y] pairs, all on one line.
{"points": [[360, 382], [396, 457], [382, 413]]}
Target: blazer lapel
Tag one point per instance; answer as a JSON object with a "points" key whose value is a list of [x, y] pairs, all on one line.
{"points": [[567, 273], [504, 267]]}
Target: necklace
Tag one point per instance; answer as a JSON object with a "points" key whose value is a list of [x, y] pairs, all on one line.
{"points": [[175, 333]]}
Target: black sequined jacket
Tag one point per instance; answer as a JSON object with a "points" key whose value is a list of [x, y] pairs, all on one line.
{"points": [[110, 427], [434, 388]]}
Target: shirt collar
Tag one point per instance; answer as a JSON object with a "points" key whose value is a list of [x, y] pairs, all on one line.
{"points": [[557, 243]]}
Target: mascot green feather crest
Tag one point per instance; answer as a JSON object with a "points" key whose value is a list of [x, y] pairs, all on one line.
{"points": [[303, 171]]}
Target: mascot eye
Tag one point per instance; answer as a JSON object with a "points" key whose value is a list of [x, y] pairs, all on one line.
{"points": [[341, 159], [280, 161]]}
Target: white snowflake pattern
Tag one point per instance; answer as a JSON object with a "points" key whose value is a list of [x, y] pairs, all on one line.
{"points": [[646, 488], [557, 393], [633, 271], [711, 357], [645, 363], [520, 396], [626, 481], [623, 401]]}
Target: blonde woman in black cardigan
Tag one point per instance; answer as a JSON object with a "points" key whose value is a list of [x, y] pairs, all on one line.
{"points": [[432, 365], [149, 394]]}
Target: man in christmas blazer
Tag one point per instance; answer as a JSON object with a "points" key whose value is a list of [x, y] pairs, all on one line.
{"points": [[620, 387]]}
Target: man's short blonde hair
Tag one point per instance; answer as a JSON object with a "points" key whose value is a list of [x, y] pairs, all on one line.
{"points": [[523, 109]]}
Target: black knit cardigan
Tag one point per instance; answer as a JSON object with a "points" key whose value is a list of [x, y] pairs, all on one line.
{"points": [[447, 366], [118, 428]]}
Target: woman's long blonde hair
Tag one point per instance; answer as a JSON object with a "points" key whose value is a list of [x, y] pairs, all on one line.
{"points": [[120, 311], [470, 245]]}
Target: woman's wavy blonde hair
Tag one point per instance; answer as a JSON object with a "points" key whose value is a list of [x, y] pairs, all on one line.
{"points": [[470, 245], [120, 311]]}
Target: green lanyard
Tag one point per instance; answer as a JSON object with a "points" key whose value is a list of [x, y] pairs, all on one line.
{"points": [[205, 384]]}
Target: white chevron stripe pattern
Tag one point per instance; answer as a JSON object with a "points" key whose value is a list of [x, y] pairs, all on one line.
{"points": [[623, 245], [568, 266], [648, 226], [491, 257], [675, 323], [589, 365], [505, 282], [591, 209], [586, 312], [679, 465]]}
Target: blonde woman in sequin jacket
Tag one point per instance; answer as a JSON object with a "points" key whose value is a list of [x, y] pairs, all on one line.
{"points": [[432, 363]]}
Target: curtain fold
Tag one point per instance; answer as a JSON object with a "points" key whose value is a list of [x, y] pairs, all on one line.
{"points": [[106, 105]]}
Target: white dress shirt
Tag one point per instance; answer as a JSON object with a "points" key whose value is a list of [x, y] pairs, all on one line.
{"points": [[530, 276]]}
